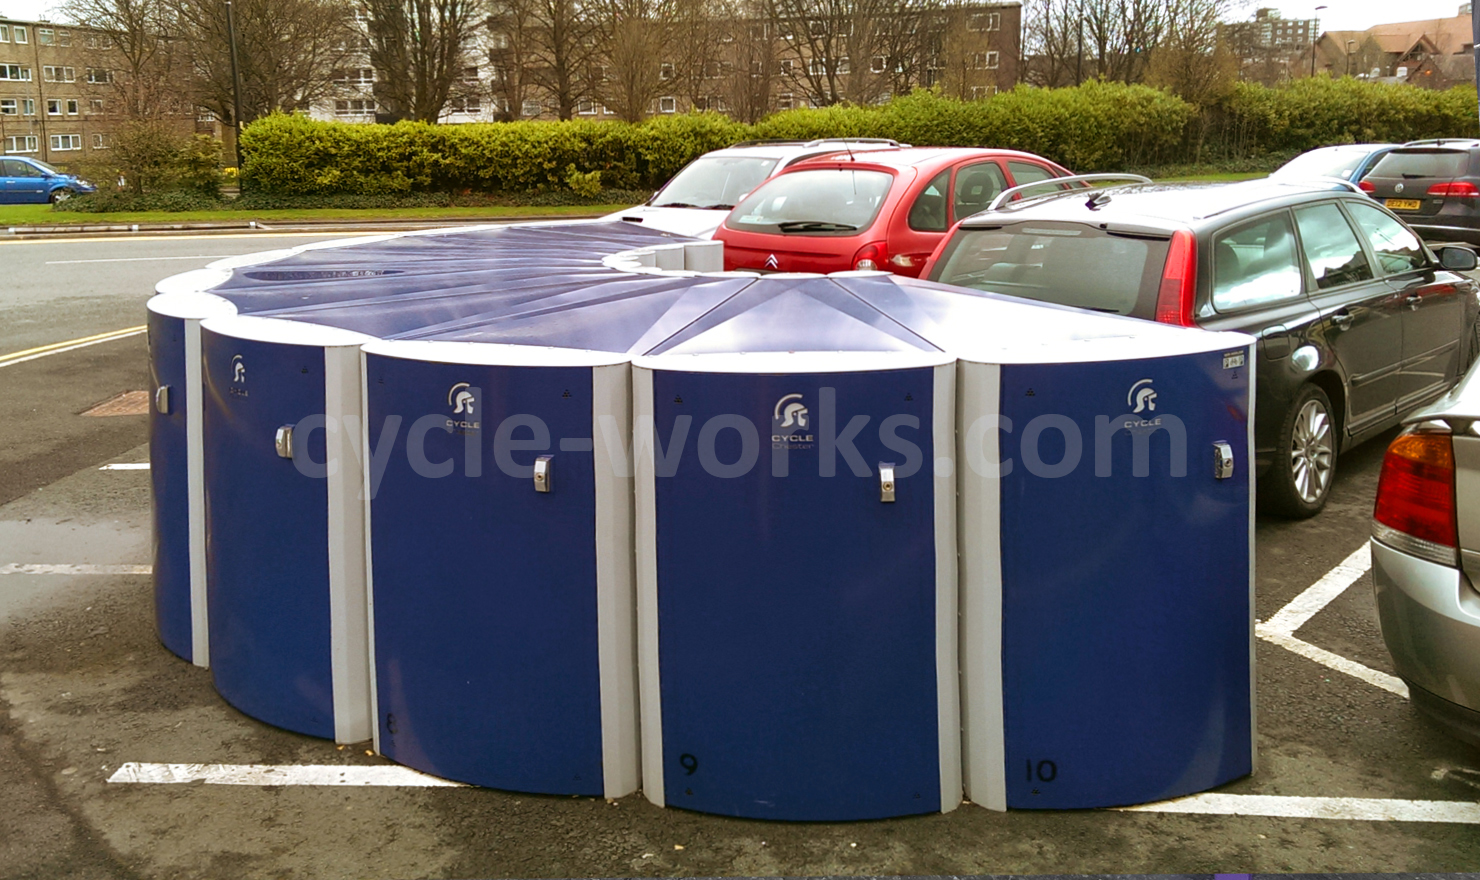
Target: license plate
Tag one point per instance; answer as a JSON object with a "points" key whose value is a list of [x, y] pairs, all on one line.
{"points": [[1404, 204]]}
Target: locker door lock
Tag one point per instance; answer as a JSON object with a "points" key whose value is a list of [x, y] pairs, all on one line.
{"points": [[543, 478], [1222, 460], [886, 482], [284, 441], [162, 399]]}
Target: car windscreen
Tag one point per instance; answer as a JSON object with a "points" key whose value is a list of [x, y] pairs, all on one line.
{"points": [[1422, 163], [715, 182], [1323, 163], [1064, 263], [821, 201]]}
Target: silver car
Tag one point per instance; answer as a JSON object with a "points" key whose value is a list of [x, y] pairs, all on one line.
{"points": [[1426, 558]]}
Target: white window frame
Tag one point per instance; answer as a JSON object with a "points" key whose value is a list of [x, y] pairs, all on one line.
{"points": [[586, 107], [668, 104], [528, 103], [984, 21], [21, 74], [71, 141], [58, 74], [21, 143], [96, 105], [469, 74], [28, 106], [993, 59], [666, 71], [46, 36], [64, 38], [785, 101], [878, 64], [19, 34], [4, 33], [10, 106], [100, 142], [99, 75], [53, 106]]}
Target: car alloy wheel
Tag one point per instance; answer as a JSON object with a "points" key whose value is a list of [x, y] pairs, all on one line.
{"points": [[1312, 452], [60, 195]]}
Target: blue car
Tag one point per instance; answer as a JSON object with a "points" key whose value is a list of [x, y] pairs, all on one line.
{"points": [[28, 181], [1346, 161]]}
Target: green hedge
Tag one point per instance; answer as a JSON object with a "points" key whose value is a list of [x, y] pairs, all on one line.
{"points": [[1094, 127]]}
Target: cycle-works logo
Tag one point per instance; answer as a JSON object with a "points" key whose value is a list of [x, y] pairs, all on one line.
{"points": [[790, 424], [238, 377], [1142, 397], [463, 398]]}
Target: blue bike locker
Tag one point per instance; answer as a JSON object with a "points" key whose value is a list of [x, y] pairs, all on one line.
{"points": [[284, 524], [501, 565], [178, 533], [797, 600], [1107, 572]]}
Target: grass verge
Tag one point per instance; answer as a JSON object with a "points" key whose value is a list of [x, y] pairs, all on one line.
{"points": [[43, 215]]}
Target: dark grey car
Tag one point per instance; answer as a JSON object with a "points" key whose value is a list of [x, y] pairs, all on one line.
{"points": [[1358, 322], [1434, 186]]}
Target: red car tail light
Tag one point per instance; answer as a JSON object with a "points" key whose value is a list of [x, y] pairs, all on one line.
{"points": [[1367, 186], [871, 256], [1178, 281], [1460, 189], [1415, 510]]}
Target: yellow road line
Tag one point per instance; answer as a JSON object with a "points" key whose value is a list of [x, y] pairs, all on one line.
{"points": [[58, 347]]}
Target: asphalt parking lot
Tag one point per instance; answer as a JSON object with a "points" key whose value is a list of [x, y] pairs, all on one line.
{"points": [[1348, 778]]}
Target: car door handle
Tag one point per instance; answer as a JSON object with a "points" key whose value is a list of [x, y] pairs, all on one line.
{"points": [[1414, 301], [1342, 320]]}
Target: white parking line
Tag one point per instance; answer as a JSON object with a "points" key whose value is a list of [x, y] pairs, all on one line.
{"points": [[1280, 629], [277, 774], [126, 466], [1357, 809], [140, 259], [18, 568]]}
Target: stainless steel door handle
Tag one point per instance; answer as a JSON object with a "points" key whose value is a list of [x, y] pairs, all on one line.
{"points": [[543, 476], [162, 400], [886, 482], [283, 441]]}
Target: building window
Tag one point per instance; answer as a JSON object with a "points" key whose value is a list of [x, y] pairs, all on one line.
{"points": [[53, 106], [46, 36], [757, 69], [759, 32], [362, 14], [25, 143], [878, 64], [817, 67], [9, 107], [498, 41], [985, 21], [665, 71], [100, 142], [99, 75], [4, 33], [204, 115], [99, 41], [19, 34], [354, 107], [466, 105], [359, 76], [95, 105], [784, 101], [530, 108], [15, 73], [469, 74], [64, 38], [980, 92], [586, 108], [844, 66], [63, 142], [59, 74], [668, 105], [28, 106], [72, 109]]}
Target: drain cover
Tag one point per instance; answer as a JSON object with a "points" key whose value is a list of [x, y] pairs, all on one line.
{"points": [[129, 403]]}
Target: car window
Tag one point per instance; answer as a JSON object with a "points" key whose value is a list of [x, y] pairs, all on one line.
{"points": [[822, 201], [1255, 264], [1027, 172], [1331, 248], [1422, 163], [928, 213], [1329, 162], [10, 168], [715, 182], [1397, 248], [976, 186], [17, 168], [1064, 263]]}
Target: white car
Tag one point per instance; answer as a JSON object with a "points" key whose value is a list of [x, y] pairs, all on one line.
{"points": [[699, 197]]}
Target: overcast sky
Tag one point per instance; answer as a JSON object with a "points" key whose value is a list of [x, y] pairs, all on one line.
{"points": [[1339, 15]]}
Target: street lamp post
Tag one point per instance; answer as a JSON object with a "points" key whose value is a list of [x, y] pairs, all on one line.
{"points": [[1314, 37]]}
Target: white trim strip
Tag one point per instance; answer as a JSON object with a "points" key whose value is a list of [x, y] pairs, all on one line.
{"points": [[1389, 683], [195, 493], [276, 774], [126, 466], [349, 648], [1321, 593], [649, 680], [66, 348], [1251, 358], [1354, 809], [616, 601], [941, 469], [140, 259], [21, 568], [366, 501]]}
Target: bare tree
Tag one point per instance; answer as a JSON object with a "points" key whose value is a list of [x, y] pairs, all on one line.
{"points": [[515, 31], [288, 51], [148, 86], [1188, 61], [636, 38], [558, 48], [752, 57], [856, 50], [420, 49]]}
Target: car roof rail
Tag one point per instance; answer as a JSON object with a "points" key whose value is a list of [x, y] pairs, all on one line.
{"points": [[1008, 193], [888, 142], [1339, 181], [766, 142], [1443, 142]]}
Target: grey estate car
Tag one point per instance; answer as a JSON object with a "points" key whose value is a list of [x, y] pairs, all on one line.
{"points": [[1426, 558], [1359, 323]]}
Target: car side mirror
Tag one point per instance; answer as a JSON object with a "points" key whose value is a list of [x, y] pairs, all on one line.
{"points": [[1457, 258]]}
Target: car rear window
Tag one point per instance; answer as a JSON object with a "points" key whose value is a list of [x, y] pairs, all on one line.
{"points": [[1323, 163], [714, 182], [1063, 263], [1422, 163], [821, 201]]}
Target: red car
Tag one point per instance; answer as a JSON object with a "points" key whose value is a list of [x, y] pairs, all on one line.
{"points": [[883, 210]]}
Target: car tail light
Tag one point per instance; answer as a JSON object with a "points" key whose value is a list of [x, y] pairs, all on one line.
{"points": [[1178, 281], [1367, 186], [1415, 510], [871, 256], [1460, 189]]}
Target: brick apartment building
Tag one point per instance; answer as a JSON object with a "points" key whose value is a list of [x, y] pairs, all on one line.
{"points": [[55, 85]]}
